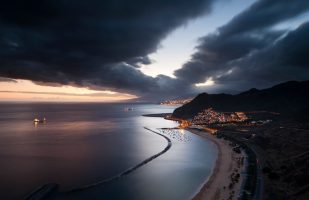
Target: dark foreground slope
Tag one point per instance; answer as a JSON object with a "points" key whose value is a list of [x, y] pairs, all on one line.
{"points": [[290, 98]]}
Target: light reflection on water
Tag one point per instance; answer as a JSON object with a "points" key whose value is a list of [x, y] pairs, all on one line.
{"points": [[84, 143], [176, 134]]}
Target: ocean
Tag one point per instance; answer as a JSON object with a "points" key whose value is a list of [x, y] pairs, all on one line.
{"points": [[84, 143]]}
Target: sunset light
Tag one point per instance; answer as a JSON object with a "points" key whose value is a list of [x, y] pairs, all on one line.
{"points": [[154, 100], [24, 90], [208, 82]]}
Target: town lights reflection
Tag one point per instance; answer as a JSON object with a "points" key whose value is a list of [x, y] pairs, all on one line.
{"points": [[182, 134], [176, 134]]}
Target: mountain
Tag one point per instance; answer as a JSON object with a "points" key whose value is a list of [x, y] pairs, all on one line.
{"points": [[289, 98]]}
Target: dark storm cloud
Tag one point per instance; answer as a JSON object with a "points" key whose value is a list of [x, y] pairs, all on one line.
{"points": [[263, 14], [283, 61], [123, 77], [88, 42], [138, 61], [222, 55], [216, 51]]}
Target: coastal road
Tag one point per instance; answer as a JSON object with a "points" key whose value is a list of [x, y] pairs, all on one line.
{"points": [[259, 186]]}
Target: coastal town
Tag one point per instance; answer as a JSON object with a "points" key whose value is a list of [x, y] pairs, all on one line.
{"points": [[176, 101], [209, 117], [243, 159]]}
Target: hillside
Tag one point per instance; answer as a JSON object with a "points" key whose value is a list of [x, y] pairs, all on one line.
{"points": [[289, 98]]}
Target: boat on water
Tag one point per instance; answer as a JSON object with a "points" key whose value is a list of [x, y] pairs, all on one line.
{"points": [[128, 109], [36, 120]]}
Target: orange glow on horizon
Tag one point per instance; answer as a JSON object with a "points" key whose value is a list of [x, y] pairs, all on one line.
{"points": [[24, 90]]}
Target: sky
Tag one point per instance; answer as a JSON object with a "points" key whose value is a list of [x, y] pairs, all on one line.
{"points": [[139, 50]]}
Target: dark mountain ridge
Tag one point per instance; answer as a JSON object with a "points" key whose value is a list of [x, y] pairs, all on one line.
{"points": [[289, 98]]}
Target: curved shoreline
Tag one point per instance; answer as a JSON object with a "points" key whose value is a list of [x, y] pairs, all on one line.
{"points": [[217, 185], [209, 181]]}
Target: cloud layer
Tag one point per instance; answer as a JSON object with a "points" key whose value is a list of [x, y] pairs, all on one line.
{"points": [[92, 43], [248, 52], [101, 45]]}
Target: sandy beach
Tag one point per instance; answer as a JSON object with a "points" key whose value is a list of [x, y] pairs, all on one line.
{"points": [[225, 181]]}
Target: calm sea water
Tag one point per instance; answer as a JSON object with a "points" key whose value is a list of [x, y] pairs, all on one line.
{"points": [[87, 142]]}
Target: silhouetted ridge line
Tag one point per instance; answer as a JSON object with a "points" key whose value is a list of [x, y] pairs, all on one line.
{"points": [[289, 98]]}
